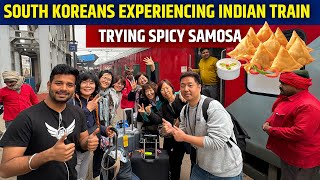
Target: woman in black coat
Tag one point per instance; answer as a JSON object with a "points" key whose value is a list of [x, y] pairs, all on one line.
{"points": [[170, 111]]}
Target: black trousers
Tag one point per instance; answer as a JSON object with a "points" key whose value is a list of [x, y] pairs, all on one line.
{"points": [[176, 151], [96, 164]]}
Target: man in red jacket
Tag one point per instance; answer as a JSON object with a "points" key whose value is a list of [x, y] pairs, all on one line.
{"points": [[125, 103], [294, 127], [16, 96]]}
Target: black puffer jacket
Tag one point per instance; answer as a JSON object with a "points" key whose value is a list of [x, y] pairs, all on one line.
{"points": [[169, 113]]}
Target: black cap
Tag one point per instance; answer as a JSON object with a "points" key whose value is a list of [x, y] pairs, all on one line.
{"points": [[302, 73]]}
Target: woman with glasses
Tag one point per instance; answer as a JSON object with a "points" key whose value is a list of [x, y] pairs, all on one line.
{"points": [[87, 98], [107, 110], [118, 86], [170, 111]]}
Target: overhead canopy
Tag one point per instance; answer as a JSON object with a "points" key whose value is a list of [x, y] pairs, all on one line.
{"points": [[87, 58]]}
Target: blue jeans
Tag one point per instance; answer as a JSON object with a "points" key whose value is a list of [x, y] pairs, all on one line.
{"points": [[200, 174]]}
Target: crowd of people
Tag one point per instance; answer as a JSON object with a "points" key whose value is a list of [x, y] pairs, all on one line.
{"points": [[59, 137]]}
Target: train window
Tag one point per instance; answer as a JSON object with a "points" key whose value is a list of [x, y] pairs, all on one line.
{"points": [[136, 69], [148, 70]]}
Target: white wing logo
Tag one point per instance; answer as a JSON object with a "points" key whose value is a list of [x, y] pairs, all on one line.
{"points": [[58, 133]]}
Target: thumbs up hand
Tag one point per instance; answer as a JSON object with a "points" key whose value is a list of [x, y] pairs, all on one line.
{"points": [[93, 140], [62, 152], [167, 127]]}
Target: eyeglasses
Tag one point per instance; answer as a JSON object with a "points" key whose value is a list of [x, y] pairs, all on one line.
{"points": [[164, 89], [106, 79], [119, 84]]}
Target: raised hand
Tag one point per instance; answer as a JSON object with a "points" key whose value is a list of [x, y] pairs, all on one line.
{"points": [[167, 127], [134, 85], [148, 61], [141, 108], [93, 140], [93, 104], [148, 109], [62, 152]]}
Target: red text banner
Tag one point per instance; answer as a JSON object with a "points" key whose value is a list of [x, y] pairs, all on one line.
{"points": [[174, 36]]}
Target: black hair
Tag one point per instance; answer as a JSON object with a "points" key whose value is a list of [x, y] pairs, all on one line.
{"points": [[122, 81], [195, 76], [101, 73], [63, 69], [160, 84], [137, 76], [202, 49], [149, 85], [85, 76]]}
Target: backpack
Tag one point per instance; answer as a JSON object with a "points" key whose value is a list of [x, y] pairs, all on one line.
{"points": [[239, 132]]}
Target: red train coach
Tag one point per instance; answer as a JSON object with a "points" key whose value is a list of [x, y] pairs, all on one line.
{"points": [[251, 109]]}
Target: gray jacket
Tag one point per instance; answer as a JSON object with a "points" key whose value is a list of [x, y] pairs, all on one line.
{"points": [[216, 157]]}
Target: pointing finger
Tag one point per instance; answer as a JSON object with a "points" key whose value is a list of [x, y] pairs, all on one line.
{"points": [[98, 99], [97, 96], [165, 122]]}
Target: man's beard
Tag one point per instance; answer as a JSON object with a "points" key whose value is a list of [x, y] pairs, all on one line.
{"points": [[52, 96]]}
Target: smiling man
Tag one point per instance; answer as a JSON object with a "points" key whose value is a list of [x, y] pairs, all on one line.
{"points": [[16, 96], [214, 155], [41, 142]]}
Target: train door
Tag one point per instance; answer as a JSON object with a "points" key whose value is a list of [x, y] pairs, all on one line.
{"points": [[218, 53]]}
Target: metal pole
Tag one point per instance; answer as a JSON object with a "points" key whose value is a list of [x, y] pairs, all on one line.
{"points": [[222, 82], [74, 53]]}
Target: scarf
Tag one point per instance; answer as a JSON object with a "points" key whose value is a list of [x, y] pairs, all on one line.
{"points": [[104, 111], [13, 76], [108, 105], [295, 80]]}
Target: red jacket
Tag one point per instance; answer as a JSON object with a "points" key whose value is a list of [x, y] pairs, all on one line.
{"points": [[295, 130], [125, 103], [14, 103]]}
